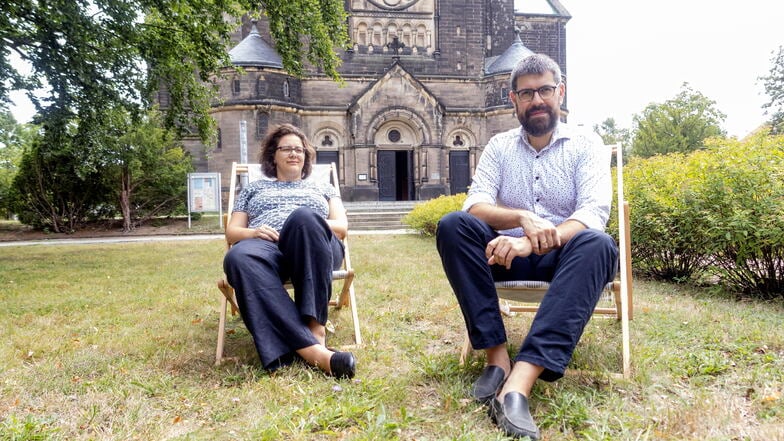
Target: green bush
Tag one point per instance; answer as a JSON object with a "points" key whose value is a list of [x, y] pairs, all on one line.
{"points": [[740, 205], [714, 212], [425, 216], [664, 243]]}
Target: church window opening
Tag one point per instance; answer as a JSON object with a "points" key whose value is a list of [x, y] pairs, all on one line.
{"points": [[235, 86], [394, 135], [420, 36], [327, 141], [391, 32], [262, 122], [286, 91], [261, 87], [458, 141], [376, 34], [362, 34]]}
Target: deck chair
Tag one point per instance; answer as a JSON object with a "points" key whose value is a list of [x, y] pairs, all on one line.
{"points": [[525, 295], [242, 175]]}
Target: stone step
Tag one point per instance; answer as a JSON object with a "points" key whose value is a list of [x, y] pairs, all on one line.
{"points": [[374, 215]]}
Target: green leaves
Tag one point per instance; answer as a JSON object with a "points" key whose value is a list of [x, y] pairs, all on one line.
{"points": [[715, 212], [313, 28], [774, 88], [680, 124], [88, 56], [425, 216]]}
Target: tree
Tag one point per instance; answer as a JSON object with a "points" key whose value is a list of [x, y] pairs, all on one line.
{"points": [[774, 88], [13, 137], [680, 124], [87, 56], [145, 167], [611, 133], [90, 61], [53, 188]]}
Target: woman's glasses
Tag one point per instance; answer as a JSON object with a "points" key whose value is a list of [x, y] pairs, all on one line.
{"points": [[289, 149]]}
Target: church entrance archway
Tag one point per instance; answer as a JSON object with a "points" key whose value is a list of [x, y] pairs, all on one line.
{"points": [[395, 175], [459, 171]]}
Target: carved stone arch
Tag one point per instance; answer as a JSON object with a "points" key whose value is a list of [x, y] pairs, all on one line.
{"points": [[376, 34], [406, 36], [362, 34], [461, 138], [328, 137], [405, 116], [421, 36]]}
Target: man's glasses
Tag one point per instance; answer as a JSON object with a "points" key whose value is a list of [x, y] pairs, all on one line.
{"points": [[288, 149], [544, 92]]}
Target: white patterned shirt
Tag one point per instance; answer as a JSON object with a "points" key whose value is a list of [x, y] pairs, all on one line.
{"points": [[270, 202], [568, 179]]}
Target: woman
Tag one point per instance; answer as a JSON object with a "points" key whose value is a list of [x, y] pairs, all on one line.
{"points": [[282, 228]]}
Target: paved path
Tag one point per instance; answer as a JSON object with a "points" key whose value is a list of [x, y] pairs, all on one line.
{"points": [[119, 239]]}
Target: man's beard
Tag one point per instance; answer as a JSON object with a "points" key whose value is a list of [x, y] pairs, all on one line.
{"points": [[539, 126]]}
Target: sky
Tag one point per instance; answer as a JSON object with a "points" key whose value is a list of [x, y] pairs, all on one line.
{"points": [[622, 55]]}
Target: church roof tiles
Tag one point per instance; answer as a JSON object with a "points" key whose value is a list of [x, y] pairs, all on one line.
{"points": [[506, 61], [254, 51]]}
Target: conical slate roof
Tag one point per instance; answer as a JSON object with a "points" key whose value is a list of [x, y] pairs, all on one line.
{"points": [[253, 51], [506, 61]]}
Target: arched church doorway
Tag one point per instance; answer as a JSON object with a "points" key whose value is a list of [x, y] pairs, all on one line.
{"points": [[459, 171], [395, 175]]}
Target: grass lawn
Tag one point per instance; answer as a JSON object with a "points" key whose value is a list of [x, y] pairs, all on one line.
{"points": [[117, 341]]}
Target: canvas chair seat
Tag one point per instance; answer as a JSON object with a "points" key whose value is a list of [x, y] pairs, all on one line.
{"points": [[242, 175]]}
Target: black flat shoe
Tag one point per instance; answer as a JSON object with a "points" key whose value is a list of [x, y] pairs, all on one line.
{"points": [[514, 416], [487, 385], [343, 365]]}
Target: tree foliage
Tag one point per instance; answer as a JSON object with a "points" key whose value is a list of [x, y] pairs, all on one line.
{"points": [[714, 214], [86, 56], [610, 133], [13, 138], [52, 189], [774, 88], [145, 168], [94, 70], [680, 124], [134, 167]]}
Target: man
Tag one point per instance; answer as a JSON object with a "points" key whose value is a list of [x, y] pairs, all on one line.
{"points": [[536, 210]]}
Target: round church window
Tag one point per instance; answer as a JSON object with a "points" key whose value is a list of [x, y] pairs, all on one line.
{"points": [[394, 135]]}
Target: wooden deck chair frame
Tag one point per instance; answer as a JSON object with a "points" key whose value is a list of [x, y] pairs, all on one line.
{"points": [[242, 174], [527, 294]]}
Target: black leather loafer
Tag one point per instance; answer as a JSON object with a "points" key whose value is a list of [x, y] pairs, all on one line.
{"points": [[514, 416], [343, 365], [487, 385]]}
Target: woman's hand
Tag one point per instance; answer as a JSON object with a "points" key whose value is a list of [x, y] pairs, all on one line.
{"points": [[237, 230], [267, 233]]}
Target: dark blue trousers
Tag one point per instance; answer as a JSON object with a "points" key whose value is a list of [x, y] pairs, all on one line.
{"points": [[307, 253], [577, 273]]}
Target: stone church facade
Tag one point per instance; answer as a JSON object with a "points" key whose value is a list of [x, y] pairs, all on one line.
{"points": [[426, 87]]}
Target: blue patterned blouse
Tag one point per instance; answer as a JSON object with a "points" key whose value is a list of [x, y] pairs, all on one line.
{"points": [[270, 202]]}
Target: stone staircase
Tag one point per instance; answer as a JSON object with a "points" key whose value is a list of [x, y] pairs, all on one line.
{"points": [[375, 215]]}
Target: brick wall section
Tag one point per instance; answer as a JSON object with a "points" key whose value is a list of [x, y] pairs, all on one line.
{"points": [[500, 25]]}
